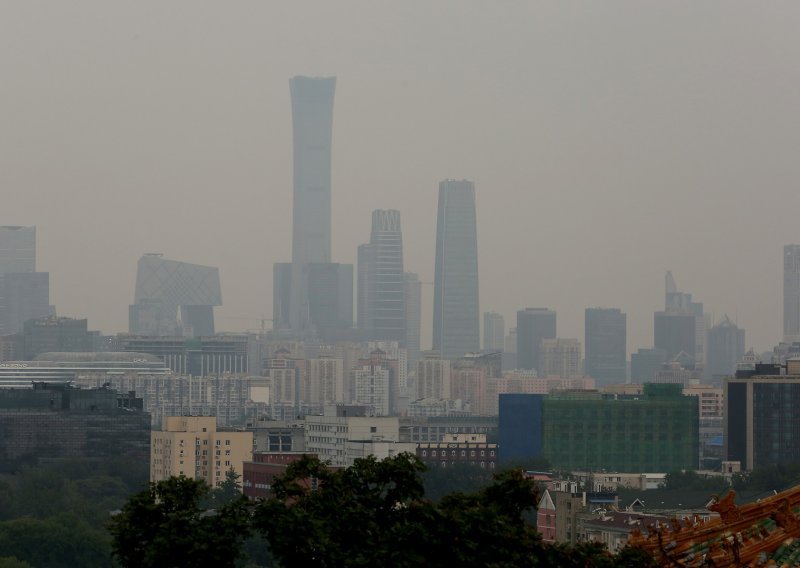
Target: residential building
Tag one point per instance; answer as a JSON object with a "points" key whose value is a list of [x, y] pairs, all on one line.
{"points": [[560, 358], [456, 326], [533, 325], [438, 407], [327, 435], [605, 343], [494, 332], [325, 379], [193, 446], [375, 380], [433, 376], [469, 383]]}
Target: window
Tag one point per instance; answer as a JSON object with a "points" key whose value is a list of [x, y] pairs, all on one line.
{"points": [[227, 442], [424, 453]]}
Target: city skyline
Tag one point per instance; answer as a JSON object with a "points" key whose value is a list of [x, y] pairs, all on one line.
{"points": [[565, 154]]}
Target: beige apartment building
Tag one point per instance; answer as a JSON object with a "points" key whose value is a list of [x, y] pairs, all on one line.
{"points": [[192, 446]]}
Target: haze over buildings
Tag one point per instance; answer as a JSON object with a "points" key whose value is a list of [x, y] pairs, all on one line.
{"points": [[199, 166]]}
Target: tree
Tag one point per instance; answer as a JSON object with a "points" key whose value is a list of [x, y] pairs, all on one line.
{"points": [[166, 526]]}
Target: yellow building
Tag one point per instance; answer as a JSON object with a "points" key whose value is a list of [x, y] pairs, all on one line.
{"points": [[192, 446]]}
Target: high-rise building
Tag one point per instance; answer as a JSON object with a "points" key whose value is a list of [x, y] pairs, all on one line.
{"points": [[675, 333], [167, 288], [24, 293], [605, 331], [560, 358], [494, 331], [645, 363], [312, 295], [725, 348], [533, 325], [433, 376], [375, 381], [412, 293], [456, 325], [676, 302], [381, 301], [791, 293]]}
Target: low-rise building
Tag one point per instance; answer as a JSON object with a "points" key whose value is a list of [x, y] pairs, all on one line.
{"points": [[459, 449], [260, 472]]}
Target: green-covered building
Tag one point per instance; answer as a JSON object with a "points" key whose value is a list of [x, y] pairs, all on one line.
{"points": [[653, 432]]}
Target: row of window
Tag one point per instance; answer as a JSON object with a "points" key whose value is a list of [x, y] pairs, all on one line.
{"points": [[453, 453]]}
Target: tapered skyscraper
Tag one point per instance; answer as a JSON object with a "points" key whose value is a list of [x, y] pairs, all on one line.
{"points": [[381, 302], [455, 296], [297, 303]]}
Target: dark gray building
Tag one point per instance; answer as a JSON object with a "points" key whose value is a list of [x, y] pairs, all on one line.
{"points": [[330, 298], [381, 300], [675, 332], [165, 288], [645, 363], [606, 340], [533, 325], [59, 422], [56, 334], [494, 332], [725, 348], [456, 317]]}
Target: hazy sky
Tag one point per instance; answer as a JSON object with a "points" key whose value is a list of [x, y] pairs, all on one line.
{"points": [[608, 141]]}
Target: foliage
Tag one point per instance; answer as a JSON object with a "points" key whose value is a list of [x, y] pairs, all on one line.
{"points": [[689, 480], [166, 526], [771, 477], [376, 513], [466, 478], [61, 541]]}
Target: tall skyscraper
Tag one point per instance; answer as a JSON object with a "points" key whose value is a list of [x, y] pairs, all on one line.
{"points": [[166, 287], [677, 302], [494, 331], [312, 127], [791, 293], [533, 325], [456, 324], [606, 337], [24, 293], [381, 299], [412, 292], [725, 348], [674, 332]]}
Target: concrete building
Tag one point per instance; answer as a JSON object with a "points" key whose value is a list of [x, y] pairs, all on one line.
{"points": [[327, 436], [726, 343], [494, 332], [456, 326], [381, 298], [533, 325], [325, 378], [24, 293], [675, 333], [56, 421], [260, 472], [329, 304], [166, 288], [605, 342], [677, 302], [469, 383], [376, 384], [645, 363], [459, 449], [521, 381], [55, 334], [437, 428], [791, 293], [560, 358], [193, 446], [438, 407], [412, 292], [433, 376]]}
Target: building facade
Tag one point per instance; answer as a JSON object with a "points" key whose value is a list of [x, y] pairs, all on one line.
{"points": [[412, 295], [456, 325], [533, 325], [560, 358], [194, 447], [494, 332], [605, 343], [381, 297], [791, 293]]}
